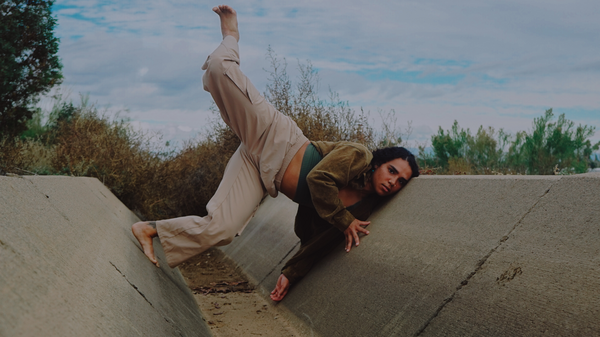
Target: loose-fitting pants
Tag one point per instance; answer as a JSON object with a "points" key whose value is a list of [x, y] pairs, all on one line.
{"points": [[269, 142]]}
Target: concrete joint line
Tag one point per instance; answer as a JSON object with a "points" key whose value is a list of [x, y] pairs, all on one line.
{"points": [[146, 299], [48, 197], [132, 285], [505, 237], [480, 264], [278, 263]]}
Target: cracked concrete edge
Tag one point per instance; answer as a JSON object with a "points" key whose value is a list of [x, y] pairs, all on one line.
{"points": [[71, 266]]}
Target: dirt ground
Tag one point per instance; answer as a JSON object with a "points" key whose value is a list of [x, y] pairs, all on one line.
{"points": [[228, 301]]}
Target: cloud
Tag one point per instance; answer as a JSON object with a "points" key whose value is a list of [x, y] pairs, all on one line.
{"points": [[490, 63]]}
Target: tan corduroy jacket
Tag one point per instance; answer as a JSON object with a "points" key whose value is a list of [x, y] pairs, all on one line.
{"points": [[343, 164], [320, 229]]}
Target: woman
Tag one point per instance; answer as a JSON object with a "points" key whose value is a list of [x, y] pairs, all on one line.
{"points": [[327, 178], [272, 158]]}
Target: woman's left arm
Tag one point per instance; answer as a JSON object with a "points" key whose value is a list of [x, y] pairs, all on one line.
{"points": [[344, 163]]}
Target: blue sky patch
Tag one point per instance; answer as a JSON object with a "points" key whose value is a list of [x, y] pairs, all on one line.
{"points": [[409, 77], [442, 62], [577, 113]]}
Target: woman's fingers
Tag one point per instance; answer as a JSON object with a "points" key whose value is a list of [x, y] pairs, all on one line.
{"points": [[362, 229], [281, 289], [348, 241], [352, 232], [356, 240]]}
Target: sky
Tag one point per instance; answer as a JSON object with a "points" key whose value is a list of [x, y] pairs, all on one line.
{"points": [[427, 63]]}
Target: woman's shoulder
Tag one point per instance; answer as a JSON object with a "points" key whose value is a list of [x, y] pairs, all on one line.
{"points": [[325, 148]]}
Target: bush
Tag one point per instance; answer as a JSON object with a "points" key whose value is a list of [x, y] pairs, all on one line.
{"points": [[550, 148], [331, 120]]}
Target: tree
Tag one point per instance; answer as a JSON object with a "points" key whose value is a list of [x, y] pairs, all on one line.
{"points": [[552, 147], [557, 146], [452, 144], [29, 65]]}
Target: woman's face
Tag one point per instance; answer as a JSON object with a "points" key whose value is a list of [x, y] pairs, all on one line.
{"points": [[390, 177]]}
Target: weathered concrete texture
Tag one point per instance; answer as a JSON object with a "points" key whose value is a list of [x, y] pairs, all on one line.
{"points": [[71, 267], [267, 242], [456, 256], [545, 279]]}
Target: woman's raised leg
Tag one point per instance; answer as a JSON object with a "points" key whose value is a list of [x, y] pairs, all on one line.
{"points": [[241, 105], [266, 133]]}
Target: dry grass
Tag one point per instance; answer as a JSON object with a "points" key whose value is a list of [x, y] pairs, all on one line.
{"points": [[328, 120]]}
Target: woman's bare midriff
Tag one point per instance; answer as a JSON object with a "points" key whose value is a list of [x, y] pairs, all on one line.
{"points": [[289, 183]]}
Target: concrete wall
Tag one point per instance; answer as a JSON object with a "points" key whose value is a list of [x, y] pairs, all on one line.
{"points": [[69, 266], [448, 255]]}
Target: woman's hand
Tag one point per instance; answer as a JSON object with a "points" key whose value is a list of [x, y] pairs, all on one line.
{"points": [[281, 289], [352, 231]]}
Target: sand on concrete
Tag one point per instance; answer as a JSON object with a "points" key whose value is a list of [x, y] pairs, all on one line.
{"points": [[228, 300]]}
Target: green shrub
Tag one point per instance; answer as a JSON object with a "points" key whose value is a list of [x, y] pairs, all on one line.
{"points": [[551, 147]]}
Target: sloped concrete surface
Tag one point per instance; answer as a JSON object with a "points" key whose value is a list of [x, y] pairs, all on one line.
{"points": [[71, 267], [452, 256], [545, 279]]}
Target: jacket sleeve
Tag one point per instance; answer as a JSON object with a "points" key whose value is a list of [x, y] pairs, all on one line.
{"points": [[333, 172], [317, 239]]}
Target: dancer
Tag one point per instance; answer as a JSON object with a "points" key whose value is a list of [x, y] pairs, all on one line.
{"points": [[335, 184]]}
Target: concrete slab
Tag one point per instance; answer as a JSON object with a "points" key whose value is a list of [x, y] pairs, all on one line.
{"points": [[71, 266], [423, 244], [544, 280], [431, 244], [267, 242]]}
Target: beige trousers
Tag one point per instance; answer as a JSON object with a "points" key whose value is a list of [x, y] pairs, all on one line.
{"points": [[269, 142]]}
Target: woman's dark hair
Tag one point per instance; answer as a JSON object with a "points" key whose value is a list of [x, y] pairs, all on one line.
{"points": [[382, 156]]}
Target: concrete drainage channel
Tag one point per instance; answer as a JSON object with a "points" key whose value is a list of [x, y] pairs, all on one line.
{"points": [[453, 256], [71, 267], [448, 256]]}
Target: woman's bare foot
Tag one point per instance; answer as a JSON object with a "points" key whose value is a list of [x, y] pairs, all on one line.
{"points": [[281, 289], [144, 233], [229, 24]]}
